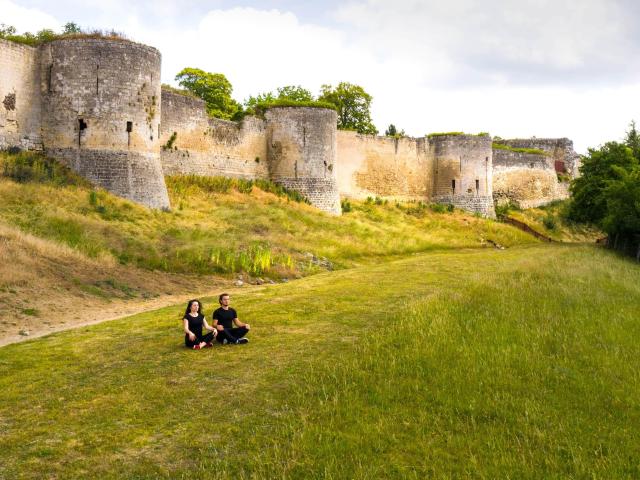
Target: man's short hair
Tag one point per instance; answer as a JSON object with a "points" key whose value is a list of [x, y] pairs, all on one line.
{"points": [[222, 295]]}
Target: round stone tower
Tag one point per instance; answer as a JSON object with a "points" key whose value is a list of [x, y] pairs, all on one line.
{"points": [[463, 171], [101, 114], [302, 149]]}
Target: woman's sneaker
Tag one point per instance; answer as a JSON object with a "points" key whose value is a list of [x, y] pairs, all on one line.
{"points": [[242, 340]]}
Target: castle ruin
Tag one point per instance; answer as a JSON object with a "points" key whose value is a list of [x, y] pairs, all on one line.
{"points": [[97, 105]]}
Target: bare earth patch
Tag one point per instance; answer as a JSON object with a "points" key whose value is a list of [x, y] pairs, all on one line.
{"points": [[46, 287]]}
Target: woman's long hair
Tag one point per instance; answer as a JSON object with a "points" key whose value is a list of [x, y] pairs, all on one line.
{"points": [[188, 310]]}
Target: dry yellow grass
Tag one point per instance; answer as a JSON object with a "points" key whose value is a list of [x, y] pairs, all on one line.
{"points": [[46, 286]]}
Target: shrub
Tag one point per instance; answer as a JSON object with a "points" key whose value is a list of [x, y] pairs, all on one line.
{"points": [[24, 167], [549, 222], [346, 206]]}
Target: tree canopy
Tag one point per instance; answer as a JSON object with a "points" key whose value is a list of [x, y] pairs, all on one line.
{"points": [[608, 191], [213, 88], [353, 105], [293, 93]]}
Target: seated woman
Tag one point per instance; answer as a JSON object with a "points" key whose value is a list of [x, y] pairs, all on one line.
{"points": [[193, 322]]}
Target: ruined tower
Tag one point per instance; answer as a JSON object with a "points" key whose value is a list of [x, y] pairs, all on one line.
{"points": [[101, 114], [302, 150]]}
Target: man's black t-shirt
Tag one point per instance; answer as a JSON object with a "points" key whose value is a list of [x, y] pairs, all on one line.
{"points": [[225, 317], [195, 324]]}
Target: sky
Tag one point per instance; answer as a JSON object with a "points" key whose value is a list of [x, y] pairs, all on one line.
{"points": [[515, 69]]}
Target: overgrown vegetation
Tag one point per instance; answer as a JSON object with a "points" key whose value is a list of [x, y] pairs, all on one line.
{"points": [[70, 30], [170, 141], [532, 151], [443, 134], [25, 166], [179, 91]]}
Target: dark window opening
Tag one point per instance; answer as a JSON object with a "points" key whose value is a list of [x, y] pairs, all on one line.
{"points": [[453, 186], [129, 127], [477, 185], [82, 125]]}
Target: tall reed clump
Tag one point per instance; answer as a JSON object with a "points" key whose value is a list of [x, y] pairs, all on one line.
{"points": [[257, 259], [182, 183]]}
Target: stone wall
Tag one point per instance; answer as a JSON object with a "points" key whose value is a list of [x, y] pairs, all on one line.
{"points": [[368, 165], [20, 116], [561, 157], [101, 114], [526, 179], [302, 152], [208, 146]]}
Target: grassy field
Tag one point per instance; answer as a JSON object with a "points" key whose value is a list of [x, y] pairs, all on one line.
{"points": [[520, 363]]}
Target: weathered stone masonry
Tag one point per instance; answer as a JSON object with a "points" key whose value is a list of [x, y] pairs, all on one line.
{"points": [[97, 105]]}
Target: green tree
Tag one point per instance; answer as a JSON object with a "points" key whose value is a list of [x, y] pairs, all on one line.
{"points": [[632, 140], [392, 131], [622, 196], [599, 167], [353, 105], [294, 93], [213, 88], [7, 31], [71, 28]]}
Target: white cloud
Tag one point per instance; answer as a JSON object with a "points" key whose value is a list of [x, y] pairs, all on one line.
{"points": [[536, 67], [26, 19]]}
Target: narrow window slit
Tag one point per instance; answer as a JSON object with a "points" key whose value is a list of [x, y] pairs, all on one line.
{"points": [[82, 125]]}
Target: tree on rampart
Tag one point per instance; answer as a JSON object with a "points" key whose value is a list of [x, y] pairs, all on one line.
{"points": [[392, 131], [353, 105], [213, 88], [293, 93]]}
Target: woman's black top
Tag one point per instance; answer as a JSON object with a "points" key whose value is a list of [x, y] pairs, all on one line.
{"points": [[195, 325]]}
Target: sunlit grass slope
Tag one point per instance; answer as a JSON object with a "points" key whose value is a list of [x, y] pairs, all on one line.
{"points": [[484, 364], [224, 226]]}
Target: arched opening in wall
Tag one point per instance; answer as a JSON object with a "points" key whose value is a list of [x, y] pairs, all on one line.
{"points": [[82, 126], [453, 186], [477, 186]]}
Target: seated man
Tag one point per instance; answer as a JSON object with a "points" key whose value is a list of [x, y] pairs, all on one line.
{"points": [[223, 320]]}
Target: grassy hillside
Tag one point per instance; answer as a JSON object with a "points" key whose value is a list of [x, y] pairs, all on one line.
{"points": [[225, 226], [486, 364]]}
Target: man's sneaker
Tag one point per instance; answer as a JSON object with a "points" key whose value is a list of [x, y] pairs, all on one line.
{"points": [[225, 341], [242, 340]]}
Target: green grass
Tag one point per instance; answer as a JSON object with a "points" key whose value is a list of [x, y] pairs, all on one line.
{"points": [[532, 151], [225, 226], [477, 364]]}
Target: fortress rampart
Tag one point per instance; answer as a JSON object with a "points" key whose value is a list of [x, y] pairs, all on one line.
{"points": [[97, 105], [202, 145]]}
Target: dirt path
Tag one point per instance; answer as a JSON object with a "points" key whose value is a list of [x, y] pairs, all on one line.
{"points": [[99, 313]]}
